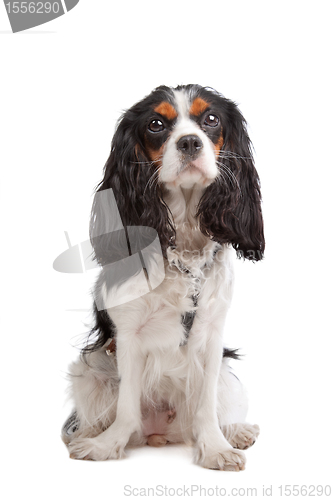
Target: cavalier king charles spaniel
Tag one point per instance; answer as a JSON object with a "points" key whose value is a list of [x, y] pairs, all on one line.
{"points": [[155, 369]]}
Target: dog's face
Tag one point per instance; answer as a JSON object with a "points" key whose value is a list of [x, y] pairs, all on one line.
{"points": [[184, 138]]}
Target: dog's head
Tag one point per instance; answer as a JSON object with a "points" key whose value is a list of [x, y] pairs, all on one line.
{"points": [[181, 137], [184, 138]]}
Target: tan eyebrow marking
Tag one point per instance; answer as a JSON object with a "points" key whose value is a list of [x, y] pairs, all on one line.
{"points": [[167, 110], [198, 106]]}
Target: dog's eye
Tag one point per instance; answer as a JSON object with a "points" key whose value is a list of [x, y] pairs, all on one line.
{"points": [[156, 126], [211, 121]]}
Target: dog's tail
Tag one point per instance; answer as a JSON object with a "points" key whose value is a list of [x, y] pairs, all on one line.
{"points": [[71, 425], [231, 353]]}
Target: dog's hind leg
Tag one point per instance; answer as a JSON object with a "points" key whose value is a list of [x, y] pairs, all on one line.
{"points": [[241, 435], [94, 390]]}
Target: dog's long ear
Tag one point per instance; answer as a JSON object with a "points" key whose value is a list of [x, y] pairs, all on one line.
{"points": [[230, 209], [132, 177]]}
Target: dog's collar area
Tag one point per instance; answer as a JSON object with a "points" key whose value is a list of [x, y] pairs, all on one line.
{"points": [[188, 318], [206, 265]]}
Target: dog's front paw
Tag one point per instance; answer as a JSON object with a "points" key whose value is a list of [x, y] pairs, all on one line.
{"points": [[94, 449], [228, 459]]}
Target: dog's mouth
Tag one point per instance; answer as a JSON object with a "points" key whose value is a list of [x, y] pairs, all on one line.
{"points": [[189, 170], [191, 166], [192, 172]]}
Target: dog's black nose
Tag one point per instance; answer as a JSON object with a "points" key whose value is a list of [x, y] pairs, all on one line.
{"points": [[189, 145]]}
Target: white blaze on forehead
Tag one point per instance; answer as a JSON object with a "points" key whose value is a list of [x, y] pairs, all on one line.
{"points": [[182, 103], [184, 125]]}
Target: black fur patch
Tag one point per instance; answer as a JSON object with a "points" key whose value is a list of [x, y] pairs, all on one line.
{"points": [[103, 330], [231, 353]]}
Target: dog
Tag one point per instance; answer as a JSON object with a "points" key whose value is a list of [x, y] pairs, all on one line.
{"points": [[155, 368]]}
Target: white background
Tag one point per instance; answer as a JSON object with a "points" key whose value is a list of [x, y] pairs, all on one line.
{"points": [[63, 86]]}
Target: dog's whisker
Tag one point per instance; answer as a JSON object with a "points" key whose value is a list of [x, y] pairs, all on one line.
{"points": [[231, 154], [224, 168], [141, 162], [153, 179]]}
